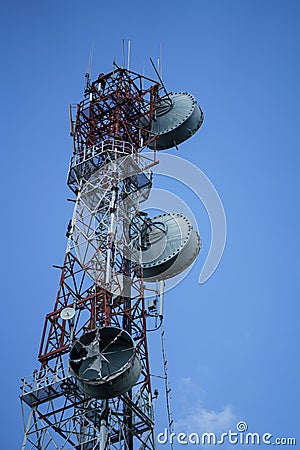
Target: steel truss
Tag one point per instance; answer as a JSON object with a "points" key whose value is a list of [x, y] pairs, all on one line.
{"points": [[118, 105], [101, 277]]}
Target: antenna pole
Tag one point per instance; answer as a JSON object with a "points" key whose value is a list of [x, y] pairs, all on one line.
{"points": [[88, 70], [160, 60], [167, 386], [159, 77], [91, 57], [123, 48], [161, 298], [128, 55]]}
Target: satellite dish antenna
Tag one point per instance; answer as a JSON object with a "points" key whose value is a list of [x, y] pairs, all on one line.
{"points": [[67, 313]]}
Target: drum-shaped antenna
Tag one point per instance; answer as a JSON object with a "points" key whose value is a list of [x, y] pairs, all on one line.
{"points": [[105, 362], [170, 246], [178, 117]]}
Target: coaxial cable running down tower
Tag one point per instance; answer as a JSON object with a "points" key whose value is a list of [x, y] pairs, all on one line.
{"points": [[93, 387]]}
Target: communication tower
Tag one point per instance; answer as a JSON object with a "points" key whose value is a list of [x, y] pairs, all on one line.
{"points": [[92, 389]]}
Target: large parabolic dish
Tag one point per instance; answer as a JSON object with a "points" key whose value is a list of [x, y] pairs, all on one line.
{"points": [[178, 117], [105, 362], [171, 246]]}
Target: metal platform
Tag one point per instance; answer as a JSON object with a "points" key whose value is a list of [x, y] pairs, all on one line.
{"points": [[37, 389], [82, 166]]}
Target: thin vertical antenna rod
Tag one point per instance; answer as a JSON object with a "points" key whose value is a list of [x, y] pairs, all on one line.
{"points": [[91, 57], [123, 48], [128, 54], [89, 67], [160, 60], [167, 386], [142, 79], [159, 77]]}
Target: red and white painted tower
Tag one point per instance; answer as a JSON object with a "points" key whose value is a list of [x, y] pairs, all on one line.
{"points": [[92, 389]]}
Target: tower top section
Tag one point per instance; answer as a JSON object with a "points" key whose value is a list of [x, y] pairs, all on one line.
{"points": [[118, 105], [123, 112]]}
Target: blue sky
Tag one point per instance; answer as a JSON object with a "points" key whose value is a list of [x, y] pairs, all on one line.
{"points": [[232, 342]]}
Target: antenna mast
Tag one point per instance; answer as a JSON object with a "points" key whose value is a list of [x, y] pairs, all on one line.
{"points": [[93, 387]]}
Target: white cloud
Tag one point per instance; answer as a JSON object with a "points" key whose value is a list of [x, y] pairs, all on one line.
{"points": [[202, 420], [195, 416]]}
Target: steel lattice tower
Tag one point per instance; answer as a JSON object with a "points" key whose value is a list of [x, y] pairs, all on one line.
{"points": [[101, 291]]}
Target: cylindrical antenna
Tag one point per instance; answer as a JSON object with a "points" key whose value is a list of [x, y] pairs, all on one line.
{"points": [[161, 298], [71, 121], [103, 434], [72, 133], [114, 66]]}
